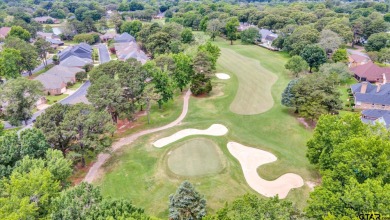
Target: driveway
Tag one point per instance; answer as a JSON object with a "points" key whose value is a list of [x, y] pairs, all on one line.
{"points": [[104, 55]]}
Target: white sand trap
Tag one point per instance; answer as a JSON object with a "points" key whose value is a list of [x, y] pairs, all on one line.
{"points": [[213, 130], [222, 76], [250, 159]]}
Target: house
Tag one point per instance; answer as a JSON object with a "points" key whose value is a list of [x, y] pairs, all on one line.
{"points": [[267, 38], [46, 20], [74, 61], [374, 116], [357, 60], [125, 37], [4, 31], [55, 43], [56, 79], [107, 36], [44, 35], [370, 72], [370, 96], [244, 26], [81, 50], [128, 50]]}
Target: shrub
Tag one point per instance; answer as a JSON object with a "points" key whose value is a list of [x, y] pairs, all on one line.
{"points": [[80, 76], [200, 84]]}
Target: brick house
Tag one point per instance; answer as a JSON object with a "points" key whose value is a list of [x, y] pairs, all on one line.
{"points": [[370, 72], [357, 60]]}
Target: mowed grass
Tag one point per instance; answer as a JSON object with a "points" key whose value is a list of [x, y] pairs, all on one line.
{"points": [[140, 173], [254, 83], [195, 157]]}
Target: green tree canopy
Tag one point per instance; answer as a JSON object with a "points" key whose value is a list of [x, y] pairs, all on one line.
{"points": [[314, 56], [231, 29], [377, 41], [186, 203], [9, 63], [19, 32], [250, 35], [21, 95], [296, 65]]}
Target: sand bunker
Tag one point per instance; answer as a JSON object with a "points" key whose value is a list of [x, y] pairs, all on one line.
{"points": [[250, 159], [213, 130], [222, 76]]}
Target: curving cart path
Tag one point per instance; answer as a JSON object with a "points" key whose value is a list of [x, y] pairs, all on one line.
{"points": [[103, 157]]}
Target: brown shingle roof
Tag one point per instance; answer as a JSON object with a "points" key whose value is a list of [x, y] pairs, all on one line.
{"points": [[4, 31], [370, 71], [358, 58]]}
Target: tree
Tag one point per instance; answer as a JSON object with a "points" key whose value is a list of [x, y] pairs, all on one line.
{"points": [[231, 29], [131, 27], [117, 209], [314, 56], [214, 28], [316, 94], [163, 86], [250, 35], [28, 53], [251, 207], [186, 203], [187, 36], [43, 47], [213, 51], [203, 63], [339, 69], [76, 203], [86, 38], [200, 84], [288, 96], [351, 156], [386, 17], [300, 37], [28, 195], [377, 41], [19, 32], [340, 55], [158, 43], [80, 76], [107, 94], [50, 123], [88, 129], [342, 28], [329, 41], [9, 63], [54, 161], [384, 55], [116, 20], [183, 71], [296, 65], [21, 95]]}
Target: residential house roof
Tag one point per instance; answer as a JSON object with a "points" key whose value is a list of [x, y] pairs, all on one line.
{"points": [[371, 95], [371, 71], [358, 58], [45, 35], [81, 50], [271, 37], [54, 41], [57, 76], [4, 31], [128, 50], [43, 19], [74, 61], [108, 36], [372, 116], [264, 33], [125, 37]]}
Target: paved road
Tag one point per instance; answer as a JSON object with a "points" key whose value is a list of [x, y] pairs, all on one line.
{"points": [[357, 52], [103, 157], [104, 55]]}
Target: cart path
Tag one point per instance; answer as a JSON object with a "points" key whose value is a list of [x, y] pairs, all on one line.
{"points": [[103, 157]]}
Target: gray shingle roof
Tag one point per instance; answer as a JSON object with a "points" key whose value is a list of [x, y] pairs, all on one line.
{"points": [[264, 33], [81, 50], [372, 96], [74, 61], [125, 37], [371, 116], [56, 76]]}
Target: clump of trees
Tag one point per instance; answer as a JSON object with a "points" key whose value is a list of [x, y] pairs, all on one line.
{"points": [[353, 160], [87, 38], [76, 129]]}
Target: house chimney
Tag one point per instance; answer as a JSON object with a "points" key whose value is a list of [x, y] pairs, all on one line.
{"points": [[363, 88], [378, 87]]}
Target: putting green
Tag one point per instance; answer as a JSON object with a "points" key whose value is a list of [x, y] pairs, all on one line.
{"points": [[195, 157], [255, 82]]}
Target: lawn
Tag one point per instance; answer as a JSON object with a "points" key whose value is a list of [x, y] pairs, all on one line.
{"points": [[52, 99], [75, 86], [140, 172]]}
